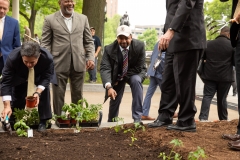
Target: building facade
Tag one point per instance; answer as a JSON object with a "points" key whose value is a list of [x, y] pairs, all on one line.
{"points": [[112, 8]]}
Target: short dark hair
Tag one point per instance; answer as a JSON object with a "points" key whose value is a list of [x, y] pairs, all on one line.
{"points": [[225, 29], [30, 49]]}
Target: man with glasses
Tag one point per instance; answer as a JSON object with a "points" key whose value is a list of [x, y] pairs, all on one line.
{"points": [[67, 36]]}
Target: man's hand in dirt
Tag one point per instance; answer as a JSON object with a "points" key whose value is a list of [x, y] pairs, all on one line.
{"points": [[90, 65], [112, 93]]}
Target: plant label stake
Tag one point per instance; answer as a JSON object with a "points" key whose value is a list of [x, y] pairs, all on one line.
{"points": [[30, 133]]}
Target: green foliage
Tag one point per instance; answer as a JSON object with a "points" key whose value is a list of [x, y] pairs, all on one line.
{"points": [[20, 128], [41, 8], [195, 155], [150, 38], [133, 132], [118, 127], [216, 10], [110, 29], [32, 117], [19, 114], [176, 156]]}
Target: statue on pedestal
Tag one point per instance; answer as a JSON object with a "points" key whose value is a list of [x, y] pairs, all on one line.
{"points": [[125, 20]]}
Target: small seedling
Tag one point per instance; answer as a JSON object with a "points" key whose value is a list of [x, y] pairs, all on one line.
{"points": [[195, 155], [176, 156], [133, 131], [118, 127], [20, 128]]}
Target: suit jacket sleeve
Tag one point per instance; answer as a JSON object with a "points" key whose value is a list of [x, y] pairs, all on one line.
{"points": [[184, 10], [46, 35], [139, 67], [16, 38], [88, 42], [106, 68], [7, 80]]}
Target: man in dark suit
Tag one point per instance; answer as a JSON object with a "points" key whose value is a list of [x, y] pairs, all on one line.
{"points": [[184, 41], [235, 40], [217, 75], [15, 75], [9, 33], [123, 62]]}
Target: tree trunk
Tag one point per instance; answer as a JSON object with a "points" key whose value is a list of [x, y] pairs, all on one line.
{"points": [[94, 10]]}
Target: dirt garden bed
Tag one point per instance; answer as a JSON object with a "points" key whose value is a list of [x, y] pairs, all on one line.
{"points": [[107, 144]]}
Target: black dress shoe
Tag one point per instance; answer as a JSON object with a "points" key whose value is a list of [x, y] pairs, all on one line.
{"points": [[191, 128], [42, 127], [158, 123]]}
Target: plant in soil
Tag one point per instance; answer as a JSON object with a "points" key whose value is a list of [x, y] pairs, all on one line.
{"points": [[195, 155], [118, 127], [19, 114], [20, 128], [133, 131], [172, 155]]}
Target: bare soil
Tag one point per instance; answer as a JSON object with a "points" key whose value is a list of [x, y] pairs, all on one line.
{"points": [[107, 144]]}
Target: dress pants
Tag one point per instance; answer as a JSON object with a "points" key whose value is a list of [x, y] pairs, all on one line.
{"points": [[178, 87], [210, 88], [19, 94], [93, 73], [76, 80], [137, 97], [234, 84], [237, 67], [154, 82]]}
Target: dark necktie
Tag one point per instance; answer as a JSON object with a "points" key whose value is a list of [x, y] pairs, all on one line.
{"points": [[125, 62]]}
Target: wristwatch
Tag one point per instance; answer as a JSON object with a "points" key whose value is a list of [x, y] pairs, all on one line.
{"points": [[39, 94], [108, 87], [171, 29]]}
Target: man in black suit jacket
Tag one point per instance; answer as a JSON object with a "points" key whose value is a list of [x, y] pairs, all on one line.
{"points": [[113, 77], [217, 75], [15, 75], [184, 40], [235, 40]]}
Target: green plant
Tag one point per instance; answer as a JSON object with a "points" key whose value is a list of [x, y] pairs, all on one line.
{"points": [[20, 128], [65, 107], [176, 156], [118, 127], [133, 131], [31, 117], [195, 155], [19, 114]]}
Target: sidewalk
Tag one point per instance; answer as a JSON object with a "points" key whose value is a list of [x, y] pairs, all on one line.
{"points": [[94, 94]]}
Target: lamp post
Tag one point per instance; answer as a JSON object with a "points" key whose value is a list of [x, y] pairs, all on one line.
{"points": [[15, 9]]}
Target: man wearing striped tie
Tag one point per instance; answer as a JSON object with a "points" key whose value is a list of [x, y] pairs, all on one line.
{"points": [[123, 62]]}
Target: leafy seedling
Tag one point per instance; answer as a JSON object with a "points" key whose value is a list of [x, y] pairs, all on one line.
{"points": [[176, 156], [20, 128], [195, 155], [133, 131], [118, 127]]}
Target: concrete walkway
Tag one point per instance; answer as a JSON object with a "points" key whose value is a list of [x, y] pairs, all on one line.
{"points": [[94, 94]]}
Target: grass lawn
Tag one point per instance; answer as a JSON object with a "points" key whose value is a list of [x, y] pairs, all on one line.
{"points": [[99, 80]]}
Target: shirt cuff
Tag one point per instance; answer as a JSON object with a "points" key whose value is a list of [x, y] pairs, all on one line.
{"points": [[41, 87], [6, 98], [107, 84]]}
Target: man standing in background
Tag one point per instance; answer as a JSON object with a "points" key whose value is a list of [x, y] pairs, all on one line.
{"points": [[97, 44], [9, 33], [184, 41], [67, 36]]}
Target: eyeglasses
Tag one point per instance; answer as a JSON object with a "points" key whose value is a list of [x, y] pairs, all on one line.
{"points": [[69, 1]]}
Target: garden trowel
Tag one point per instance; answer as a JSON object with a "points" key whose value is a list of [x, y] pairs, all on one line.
{"points": [[8, 126]]}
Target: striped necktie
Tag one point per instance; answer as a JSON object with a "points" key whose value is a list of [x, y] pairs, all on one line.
{"points": [[125, 62]]}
